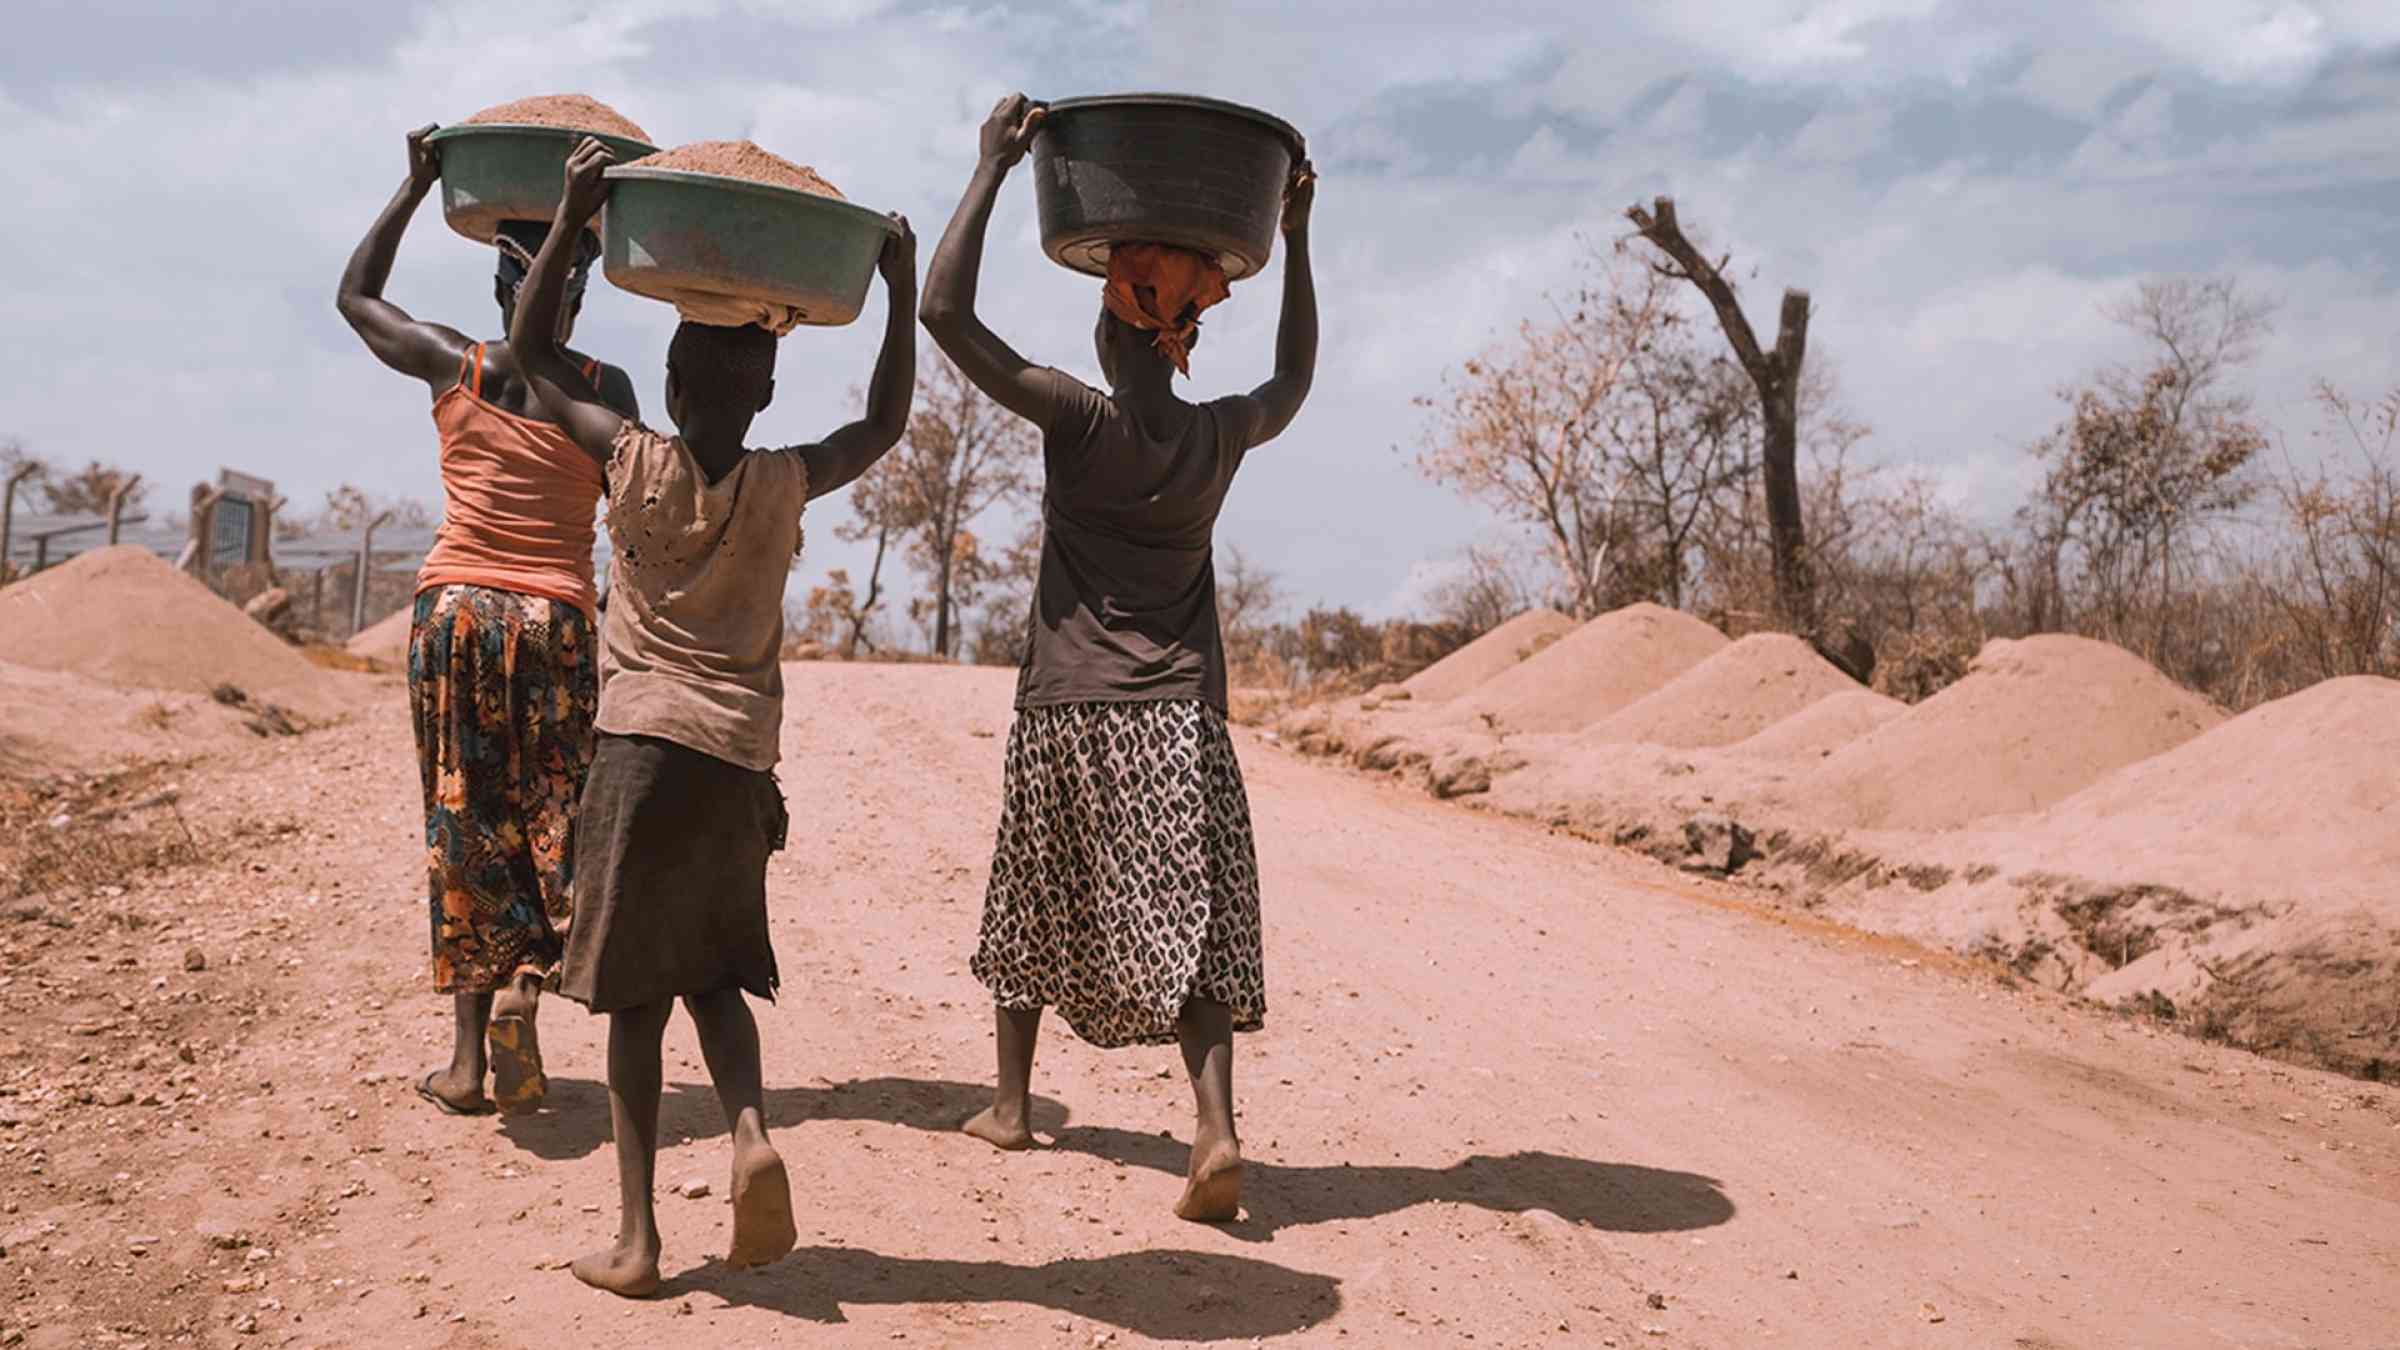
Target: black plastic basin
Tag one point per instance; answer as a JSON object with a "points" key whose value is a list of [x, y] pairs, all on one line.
{"points": [[1199, 173]]}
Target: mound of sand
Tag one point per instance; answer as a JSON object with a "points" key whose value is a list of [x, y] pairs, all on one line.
{"points": [[574, 112], [1823, 726], [2295, 798], [386, 640], [1588, 674], [124, 616], [2034, 720], [53, 723], [1729, 697], [740, 159], [1487, 656]]}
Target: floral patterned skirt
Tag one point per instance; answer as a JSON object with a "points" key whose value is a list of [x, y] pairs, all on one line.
{"points": [[503, 688]]}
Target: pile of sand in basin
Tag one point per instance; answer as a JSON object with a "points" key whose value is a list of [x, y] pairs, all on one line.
{"points": [[1822, 727], [123, 615], [572, 112], [2034, 720], [1486, 656], [1589, 673], [1733, 695], [386, 640], [740, 159]]}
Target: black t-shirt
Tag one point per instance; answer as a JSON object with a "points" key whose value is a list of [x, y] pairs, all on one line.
{"points": [[1125, 609]]}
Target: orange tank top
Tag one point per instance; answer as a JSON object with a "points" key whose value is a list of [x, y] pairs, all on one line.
{"points": [[518, 497]]}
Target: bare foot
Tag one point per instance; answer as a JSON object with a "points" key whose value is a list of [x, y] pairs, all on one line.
{"points": [[1213, 1191], [626, 1271], [763, 1230], [1004, 1132], [517, 1080]]}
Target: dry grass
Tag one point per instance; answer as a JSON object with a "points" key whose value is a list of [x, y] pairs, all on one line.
{"points": [[90, 838]]}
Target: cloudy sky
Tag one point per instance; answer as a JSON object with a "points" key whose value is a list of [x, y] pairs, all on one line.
{"points": [[1959, 192]]}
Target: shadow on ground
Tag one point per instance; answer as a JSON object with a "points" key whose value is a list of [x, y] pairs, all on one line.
{"points": [[1618, 1197], [1159, 1295], [573, 1121]]}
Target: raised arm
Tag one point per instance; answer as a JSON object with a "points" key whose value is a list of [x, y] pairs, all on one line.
{"points": [[569, 398], [427, 351], [1268, 409], [849, 452], [1023, 388]]}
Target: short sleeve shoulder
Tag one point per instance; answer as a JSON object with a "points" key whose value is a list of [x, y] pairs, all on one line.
{"points": [[1078, 411], [635, 459]]}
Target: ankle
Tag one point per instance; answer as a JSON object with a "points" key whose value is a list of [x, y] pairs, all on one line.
{"points": [[750, 1132]]}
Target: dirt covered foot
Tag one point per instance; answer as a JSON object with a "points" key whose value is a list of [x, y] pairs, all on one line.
{"points": [[455, 1093], [628, 1269], [763, 1229], [1212, 1193], [518, 1083], [1003, 1131]]}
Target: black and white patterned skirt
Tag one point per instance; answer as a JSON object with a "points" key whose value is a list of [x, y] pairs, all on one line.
{"points": [[1125, 881]]}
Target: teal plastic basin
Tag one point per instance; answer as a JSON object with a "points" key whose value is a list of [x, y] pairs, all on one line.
{"points": [[496, 171], [671, 233]]}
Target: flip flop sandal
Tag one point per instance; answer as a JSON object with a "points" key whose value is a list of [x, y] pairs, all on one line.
{"points": [[449, 1107], [518, 1084]]}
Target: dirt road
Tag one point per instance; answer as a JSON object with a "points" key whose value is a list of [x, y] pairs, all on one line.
{"points": [[1515, 1090]]}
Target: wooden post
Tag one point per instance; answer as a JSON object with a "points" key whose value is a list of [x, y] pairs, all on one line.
{"points": [[116, 504], [8, 509], [204, 512], [366, 557]]}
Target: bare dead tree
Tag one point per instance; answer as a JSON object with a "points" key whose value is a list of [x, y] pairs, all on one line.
{"points": [[1775, 374]]}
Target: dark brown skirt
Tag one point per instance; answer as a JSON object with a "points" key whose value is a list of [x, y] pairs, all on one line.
{"points": [[671, 850]]}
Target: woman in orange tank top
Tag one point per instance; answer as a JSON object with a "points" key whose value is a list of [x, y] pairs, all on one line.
{"points": [[503, 672]]}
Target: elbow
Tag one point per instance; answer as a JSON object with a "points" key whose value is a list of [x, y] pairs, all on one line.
{"points": [[939, 315]]}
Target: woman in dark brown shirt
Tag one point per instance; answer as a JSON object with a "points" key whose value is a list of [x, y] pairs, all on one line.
{"points": [[1124, 884]]}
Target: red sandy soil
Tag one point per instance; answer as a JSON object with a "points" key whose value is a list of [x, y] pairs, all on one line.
{"points": [[2034, 720], [53, 723], [1487, 655], [740, 159], [386, 639], [574, 112], [1736, 693], [1823, 726], [1589, 673], [124, 616], [1514, 1087]]}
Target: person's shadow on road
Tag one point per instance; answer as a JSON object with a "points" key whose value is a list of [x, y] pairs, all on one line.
{"points": [[573, 1121], [1617, 1197], [1158, 1295]]}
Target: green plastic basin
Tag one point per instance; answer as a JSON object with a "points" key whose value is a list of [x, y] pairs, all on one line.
{"points": [[495, 171], [671, 234]]}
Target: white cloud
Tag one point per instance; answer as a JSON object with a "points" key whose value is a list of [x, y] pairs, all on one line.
{"points": [[1841, 134]]}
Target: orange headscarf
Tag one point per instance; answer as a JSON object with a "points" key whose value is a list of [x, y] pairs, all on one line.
{"points": [[1162, 289]]}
